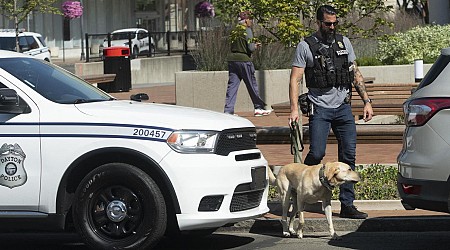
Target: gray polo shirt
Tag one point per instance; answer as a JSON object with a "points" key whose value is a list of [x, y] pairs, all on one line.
{"points": [[327, 97]]}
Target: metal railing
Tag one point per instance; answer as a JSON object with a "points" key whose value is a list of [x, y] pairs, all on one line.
{"points": [[166, 44]]}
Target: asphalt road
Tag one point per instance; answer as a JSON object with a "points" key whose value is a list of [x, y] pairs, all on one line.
{"points": [[235, 240]]}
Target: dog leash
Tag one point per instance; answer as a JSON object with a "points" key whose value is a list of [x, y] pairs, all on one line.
{"points": [[296, 142]]}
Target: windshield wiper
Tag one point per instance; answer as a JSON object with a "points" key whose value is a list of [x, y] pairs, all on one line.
{"points": [[78, 101]]}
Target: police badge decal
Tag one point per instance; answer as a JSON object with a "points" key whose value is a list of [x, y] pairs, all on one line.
{"points": [[12, 171]]}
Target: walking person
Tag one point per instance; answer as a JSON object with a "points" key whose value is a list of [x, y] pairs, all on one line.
{"points": [[328, 61], [240, 67]]}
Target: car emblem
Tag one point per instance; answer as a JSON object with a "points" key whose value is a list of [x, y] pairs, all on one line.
{"points": [[12, 171]]}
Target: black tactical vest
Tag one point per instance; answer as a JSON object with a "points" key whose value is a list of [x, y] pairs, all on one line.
{"points": [[331, 66]]}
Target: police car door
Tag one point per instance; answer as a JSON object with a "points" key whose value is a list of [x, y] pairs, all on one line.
{"points": [[20, 157]]}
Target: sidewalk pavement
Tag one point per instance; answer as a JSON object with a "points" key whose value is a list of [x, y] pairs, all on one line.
{"points": [[383, 215]]}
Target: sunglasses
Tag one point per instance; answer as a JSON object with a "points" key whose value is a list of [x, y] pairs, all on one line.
{"points": [[328, 24]]}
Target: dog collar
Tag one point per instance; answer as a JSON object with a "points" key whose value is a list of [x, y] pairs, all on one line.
{"points": [[324, 179]]}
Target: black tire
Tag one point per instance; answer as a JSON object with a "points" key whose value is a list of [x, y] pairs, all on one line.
{"points": [[119, 206]]}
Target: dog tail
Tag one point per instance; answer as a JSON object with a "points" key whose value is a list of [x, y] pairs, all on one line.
{"points": [[272, 178]]}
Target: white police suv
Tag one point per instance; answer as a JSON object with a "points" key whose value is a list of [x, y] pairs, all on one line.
{"points": [[124, 172], [30, 43], [141, 41]]}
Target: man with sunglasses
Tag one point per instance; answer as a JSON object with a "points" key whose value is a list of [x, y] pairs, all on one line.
{"points": [[328, 61]]}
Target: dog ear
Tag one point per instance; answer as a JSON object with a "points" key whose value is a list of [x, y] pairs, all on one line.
{"points": [[332, 170]]}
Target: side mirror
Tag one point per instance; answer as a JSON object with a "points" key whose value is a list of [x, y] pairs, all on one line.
{"points": [[139, 97], [9, 102]]}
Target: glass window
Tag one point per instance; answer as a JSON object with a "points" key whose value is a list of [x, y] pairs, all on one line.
{"points": [[32, 43], [52, 82], [435, 70], [8, 43]]}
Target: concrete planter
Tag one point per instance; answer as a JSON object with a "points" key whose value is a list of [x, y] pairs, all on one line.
{"points": [[207, 89]]}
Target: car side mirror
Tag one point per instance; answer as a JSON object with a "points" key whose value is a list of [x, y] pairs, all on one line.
{"points": [[9, 102], [139, 97]]}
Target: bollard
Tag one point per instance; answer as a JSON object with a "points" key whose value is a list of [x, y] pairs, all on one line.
{"points": [[418, 70]]}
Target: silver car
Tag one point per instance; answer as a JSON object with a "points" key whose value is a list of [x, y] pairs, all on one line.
{"points": [[424, 162]]}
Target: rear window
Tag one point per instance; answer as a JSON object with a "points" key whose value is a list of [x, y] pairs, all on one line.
{"points": [[25, 43], [435, 70], [8, 43]]}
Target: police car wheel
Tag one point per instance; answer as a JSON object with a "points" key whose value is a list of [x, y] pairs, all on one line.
{"points": [[119, 206]]}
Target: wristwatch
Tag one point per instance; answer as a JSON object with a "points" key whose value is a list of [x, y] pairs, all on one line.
{"points": [[368, 100]]}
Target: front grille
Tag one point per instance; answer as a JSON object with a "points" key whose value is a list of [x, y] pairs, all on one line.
{"points": [[246, 200], [249, 195], [235, 140]]}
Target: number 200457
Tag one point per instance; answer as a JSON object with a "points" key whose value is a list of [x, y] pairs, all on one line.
{"points": [[149, 133]]}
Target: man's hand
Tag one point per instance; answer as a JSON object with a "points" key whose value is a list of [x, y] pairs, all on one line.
{"points": [[367, 112], [294, 117]]}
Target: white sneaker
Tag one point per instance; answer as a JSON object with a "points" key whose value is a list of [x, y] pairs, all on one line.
{"points": [[262, 112]]}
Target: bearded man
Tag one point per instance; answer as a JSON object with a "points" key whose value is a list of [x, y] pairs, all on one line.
{"points": [[328, 61]]}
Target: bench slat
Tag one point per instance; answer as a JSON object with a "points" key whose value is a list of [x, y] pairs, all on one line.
{"points": [[100, 78], [380, 134]]}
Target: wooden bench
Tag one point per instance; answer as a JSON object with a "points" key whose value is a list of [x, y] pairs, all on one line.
{"points": [[387, 99], [100, 78], [366, 134]]}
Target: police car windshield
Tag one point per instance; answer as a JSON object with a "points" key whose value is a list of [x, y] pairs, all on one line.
{"points": [[122, 35], [51, 82]]}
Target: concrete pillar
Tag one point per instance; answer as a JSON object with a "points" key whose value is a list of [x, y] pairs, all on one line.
{"points": [[439, 11]]}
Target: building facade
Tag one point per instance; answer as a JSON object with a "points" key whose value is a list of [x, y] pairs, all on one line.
{"points": [[104, 16]]}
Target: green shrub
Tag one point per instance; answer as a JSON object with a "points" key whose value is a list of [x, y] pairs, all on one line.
{"points": [[368, 61], [423, 42], [378, 182], [214, 47]]}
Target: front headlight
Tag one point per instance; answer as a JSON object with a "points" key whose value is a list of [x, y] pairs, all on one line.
{"points": [[193, 141]]}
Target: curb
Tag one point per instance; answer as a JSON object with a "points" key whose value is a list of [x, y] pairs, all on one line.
{"points": [[381, 223]]}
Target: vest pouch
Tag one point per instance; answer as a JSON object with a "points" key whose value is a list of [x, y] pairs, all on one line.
{"points": [[321, 79], [342, 78], [331, 79]]}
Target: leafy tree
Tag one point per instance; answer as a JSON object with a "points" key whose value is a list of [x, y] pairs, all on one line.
{"points": [[288, 21], [18, 10]]}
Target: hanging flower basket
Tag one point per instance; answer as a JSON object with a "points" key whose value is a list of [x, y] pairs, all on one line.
{"points": [[204, 9], [72, 9]]}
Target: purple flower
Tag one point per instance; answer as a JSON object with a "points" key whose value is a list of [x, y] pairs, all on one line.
{"points": [[204, 9], [72, 9]]}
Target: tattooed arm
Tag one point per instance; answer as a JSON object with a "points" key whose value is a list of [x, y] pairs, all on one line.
{"points": [[360, 88], [294, 86]]}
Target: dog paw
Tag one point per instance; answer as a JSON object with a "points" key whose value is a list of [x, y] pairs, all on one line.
{"points": [[336, 237], [293, 233], [286, 234], [300, 235]]}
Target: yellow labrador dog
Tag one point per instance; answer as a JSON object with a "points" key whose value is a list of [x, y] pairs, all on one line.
{"points": [[311, 184]]}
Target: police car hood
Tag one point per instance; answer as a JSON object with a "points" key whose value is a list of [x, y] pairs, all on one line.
{"points": [[162, 115]]}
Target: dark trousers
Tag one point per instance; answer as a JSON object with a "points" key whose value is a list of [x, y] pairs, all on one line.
{"points": [[341, 121], [238, 71]]}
